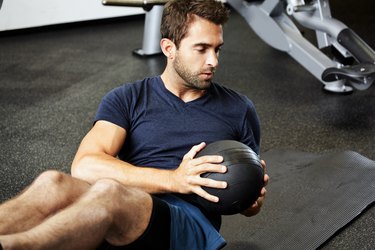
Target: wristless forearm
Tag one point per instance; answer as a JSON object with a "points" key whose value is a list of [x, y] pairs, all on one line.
{"points": [[92, 168]]}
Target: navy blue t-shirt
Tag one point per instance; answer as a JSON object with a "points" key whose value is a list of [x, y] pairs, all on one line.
{"points": [[161, 128]]}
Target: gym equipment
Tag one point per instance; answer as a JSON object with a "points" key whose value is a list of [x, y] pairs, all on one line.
{"points": [[244, 176], [274, 21], [151, 32]]}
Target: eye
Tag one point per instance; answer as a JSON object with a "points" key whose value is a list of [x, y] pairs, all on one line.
{"points": [[201, 50]]}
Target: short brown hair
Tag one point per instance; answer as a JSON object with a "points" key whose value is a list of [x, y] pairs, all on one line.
{"points": [[178, 14]]}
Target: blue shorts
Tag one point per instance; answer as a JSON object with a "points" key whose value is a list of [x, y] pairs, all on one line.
{"points": [[175, 224], [190, 229]]}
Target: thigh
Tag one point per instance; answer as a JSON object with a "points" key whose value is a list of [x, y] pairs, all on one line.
{"points": [[157, 233]]}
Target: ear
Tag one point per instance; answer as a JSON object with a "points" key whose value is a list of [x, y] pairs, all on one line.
{"points": [[168, 47]]}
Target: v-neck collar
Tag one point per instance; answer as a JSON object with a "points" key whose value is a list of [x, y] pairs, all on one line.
{"points": [[160, 87]]}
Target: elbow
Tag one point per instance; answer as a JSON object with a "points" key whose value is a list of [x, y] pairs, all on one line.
{"points": [[80, 169], [75, 171]]}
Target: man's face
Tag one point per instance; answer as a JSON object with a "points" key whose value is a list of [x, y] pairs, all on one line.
{"points": [[197, 57]]}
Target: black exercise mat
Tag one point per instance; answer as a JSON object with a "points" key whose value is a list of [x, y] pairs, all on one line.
{"points": [[310, 197]]}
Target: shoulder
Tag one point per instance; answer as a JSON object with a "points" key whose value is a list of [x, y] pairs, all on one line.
{"points": [[118, 106], [136, 85], [130, 90], [230, 95]]}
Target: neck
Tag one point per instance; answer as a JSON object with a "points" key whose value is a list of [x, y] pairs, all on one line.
{"points": [[177, 86]]}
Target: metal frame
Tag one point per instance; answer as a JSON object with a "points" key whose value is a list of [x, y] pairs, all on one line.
{"points": [[274, 22], [151, 33]]}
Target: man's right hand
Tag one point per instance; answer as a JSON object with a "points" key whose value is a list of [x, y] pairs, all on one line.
{"points": [[186, 178]]}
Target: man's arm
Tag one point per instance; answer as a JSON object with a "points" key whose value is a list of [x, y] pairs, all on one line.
{"points": [[96, 159]]}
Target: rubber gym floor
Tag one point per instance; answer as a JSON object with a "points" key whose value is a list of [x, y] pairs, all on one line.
{"points": [[52, 80]]}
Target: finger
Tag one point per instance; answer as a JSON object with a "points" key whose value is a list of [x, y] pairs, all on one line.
{"points": [[208, 159], [258, 203], [202, 193], [194, 150], [207, 182], [266, 179], [263, 192], [263, 163], [208, 167], [262, 197]]}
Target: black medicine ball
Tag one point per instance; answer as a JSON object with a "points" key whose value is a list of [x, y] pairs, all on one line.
{"points": [[244, 176]]}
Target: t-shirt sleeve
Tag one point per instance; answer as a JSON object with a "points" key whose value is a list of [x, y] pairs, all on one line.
{"points": [[114, 108]]}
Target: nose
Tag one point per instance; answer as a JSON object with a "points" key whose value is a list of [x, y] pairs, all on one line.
{"points": [[213, 58]]}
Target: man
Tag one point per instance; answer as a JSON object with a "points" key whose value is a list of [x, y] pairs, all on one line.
{"points": [[141, 152]]}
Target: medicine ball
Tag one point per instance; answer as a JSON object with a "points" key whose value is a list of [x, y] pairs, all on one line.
{"points": [[244, 176]]}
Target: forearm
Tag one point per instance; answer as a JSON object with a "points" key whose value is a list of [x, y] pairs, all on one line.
{"points": [[99, 166]]}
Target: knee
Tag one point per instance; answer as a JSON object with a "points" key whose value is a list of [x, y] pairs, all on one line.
{"points": [[114, 194], [107, 188], [50, 178], [106, 195], [127, 210]]}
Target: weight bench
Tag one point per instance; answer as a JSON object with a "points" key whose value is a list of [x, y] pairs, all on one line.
{"points": [[274, 22], [151, 33]]}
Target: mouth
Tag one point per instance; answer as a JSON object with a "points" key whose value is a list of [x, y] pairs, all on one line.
{"points": [[207, 75]]}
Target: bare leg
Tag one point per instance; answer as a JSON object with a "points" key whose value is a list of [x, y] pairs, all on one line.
{"points": [[50, 192], [108, 211]]}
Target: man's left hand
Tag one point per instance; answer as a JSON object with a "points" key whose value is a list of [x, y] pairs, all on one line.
{"points": [[255, 208]]}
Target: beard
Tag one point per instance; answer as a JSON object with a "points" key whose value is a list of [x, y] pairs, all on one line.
{"points": [[191, 78]]}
